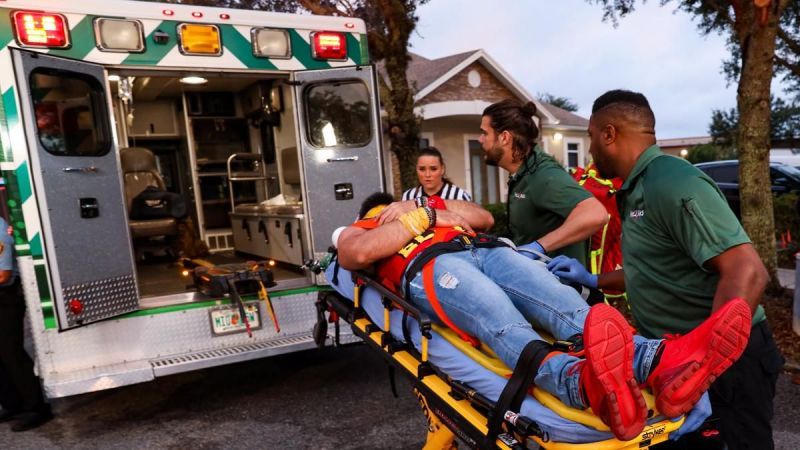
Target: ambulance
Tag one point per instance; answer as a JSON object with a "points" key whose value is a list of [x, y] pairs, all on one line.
{"points": [[264, 127]]}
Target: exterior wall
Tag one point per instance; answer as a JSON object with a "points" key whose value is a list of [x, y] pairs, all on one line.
{"points": [[458, 88], [557, 148], [448, 136]]}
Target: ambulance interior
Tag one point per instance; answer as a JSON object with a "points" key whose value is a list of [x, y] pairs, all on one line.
{"points": [[227, 145]]}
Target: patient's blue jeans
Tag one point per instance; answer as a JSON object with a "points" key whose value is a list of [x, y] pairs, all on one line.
{"points": [[495, 294]]}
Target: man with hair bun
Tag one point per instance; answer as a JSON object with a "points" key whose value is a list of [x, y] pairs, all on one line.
{"points": [[548, 212], [686, 256]]}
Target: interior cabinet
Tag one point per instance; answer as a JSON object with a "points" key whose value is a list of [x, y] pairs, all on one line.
{"points": [[156, 119]]}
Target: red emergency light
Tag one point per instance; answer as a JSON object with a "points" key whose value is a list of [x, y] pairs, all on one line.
{"points": [[38, 29], [329, 45]]}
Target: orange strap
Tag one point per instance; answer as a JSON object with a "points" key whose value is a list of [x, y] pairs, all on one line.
{"points": [[430, 291]]}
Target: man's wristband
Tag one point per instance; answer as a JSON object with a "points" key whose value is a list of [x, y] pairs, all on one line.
{"points": [[431, 213]]}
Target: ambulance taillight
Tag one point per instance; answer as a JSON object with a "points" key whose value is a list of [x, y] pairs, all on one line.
{"points": [[329, 45], [42, 30]]}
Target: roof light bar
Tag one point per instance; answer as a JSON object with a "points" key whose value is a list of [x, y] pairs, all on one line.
{"points": [[41, 30], [329, 45]]}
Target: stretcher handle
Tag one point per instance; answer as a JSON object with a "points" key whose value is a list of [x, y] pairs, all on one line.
{"points": [[422, 318]]}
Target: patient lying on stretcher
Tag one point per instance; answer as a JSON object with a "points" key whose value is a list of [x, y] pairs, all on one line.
{"points": [[487, 293]]}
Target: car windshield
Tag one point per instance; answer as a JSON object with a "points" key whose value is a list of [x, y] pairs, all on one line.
{"points": [[790, 172]]}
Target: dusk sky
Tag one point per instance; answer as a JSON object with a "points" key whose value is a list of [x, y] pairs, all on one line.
{"points": [[564, 48]]}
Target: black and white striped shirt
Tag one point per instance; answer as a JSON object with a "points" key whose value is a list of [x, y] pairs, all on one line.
{"points": [[447, 192]]}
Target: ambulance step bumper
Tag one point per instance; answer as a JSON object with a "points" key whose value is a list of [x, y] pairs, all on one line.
{"points": [[211, 358]]}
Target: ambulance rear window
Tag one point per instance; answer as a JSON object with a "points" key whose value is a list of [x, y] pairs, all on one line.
{"points": [[69, 113], [338, 114]]}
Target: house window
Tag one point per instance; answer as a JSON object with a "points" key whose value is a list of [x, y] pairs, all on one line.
{"points": [[425, 140], [573, 153], [485, 179]]}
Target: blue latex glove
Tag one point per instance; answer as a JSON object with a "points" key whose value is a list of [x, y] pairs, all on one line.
{"points": [[695, 418], [571, 270], [531, 250]]}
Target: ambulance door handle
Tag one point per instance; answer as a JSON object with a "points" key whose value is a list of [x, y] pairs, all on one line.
{"points": [[90, 169], [343, 159]]}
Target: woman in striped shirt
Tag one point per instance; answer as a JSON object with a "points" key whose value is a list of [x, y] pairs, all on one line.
{"points": [[432, 179]]}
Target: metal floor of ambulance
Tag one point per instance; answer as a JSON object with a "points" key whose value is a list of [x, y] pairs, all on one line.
{"points": [[163, 278]]}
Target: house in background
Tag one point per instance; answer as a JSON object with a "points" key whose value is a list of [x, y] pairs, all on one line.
{"points": [[452, 93], [680, 146]]}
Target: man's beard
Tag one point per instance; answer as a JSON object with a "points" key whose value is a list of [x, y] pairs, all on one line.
{"points": [[493, 156]]}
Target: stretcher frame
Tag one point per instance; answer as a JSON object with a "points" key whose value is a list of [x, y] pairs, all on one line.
{"points": [[452, 409]]}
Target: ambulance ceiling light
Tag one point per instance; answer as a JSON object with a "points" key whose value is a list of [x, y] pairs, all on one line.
{"points": [[271, 43], [197, 14], [224, 16], [118, 35], [168, 12], [114, 78], [193, 79], [199, 39], [38, 29], [329, 45]]}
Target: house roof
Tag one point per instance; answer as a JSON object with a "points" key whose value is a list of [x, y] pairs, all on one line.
{"points": [[567, 118], [683, 142], [423, 71], [425, 75]]}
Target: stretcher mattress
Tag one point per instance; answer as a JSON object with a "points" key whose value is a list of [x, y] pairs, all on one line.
{"points": [[461, 367]]}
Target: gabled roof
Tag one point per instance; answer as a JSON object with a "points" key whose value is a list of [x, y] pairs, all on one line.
{"points": [[423, 71], [428, 74], [567, 118]]}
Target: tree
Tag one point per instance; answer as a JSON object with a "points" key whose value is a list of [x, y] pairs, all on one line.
{"points": [[389, 27], [562, 102], [784, 123], [709, 152], [752, 27]]}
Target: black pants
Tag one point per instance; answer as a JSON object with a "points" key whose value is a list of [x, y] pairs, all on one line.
{"points": [[19, 387], [742, 397]]}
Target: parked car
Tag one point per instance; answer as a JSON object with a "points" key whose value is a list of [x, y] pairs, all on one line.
{"points": [[783, 178]]}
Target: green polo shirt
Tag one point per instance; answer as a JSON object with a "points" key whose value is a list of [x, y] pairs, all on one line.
{"points": [[541, 194], [674, 219]]}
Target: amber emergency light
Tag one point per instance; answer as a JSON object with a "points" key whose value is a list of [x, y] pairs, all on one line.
{"points": [[329, 45], [42, 30], [199, 39]]}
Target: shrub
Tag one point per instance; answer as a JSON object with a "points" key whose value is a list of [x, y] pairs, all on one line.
{"points": [[500, 215], [787, 228]]}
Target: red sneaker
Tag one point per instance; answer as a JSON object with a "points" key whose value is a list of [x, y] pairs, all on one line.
{"points": [[690, 363], [607, 376]]}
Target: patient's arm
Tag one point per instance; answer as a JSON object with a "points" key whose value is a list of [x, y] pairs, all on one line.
{"points": [[475, 216], [359, 248]]}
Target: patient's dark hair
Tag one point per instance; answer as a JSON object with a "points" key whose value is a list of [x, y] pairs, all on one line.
{"points": [[629, 105], [516, 117], [376, 199]]}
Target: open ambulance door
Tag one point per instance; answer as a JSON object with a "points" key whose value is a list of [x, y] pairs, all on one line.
{"points": [[76, 177], [340, 139]]}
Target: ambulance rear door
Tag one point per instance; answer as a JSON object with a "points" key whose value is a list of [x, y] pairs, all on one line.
{"points": [[340, 136], [77, 183]]}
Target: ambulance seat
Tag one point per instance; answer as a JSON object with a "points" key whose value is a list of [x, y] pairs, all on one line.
{"points": [[139, 172]]}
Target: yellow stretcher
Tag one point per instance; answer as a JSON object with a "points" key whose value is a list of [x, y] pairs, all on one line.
{"points": [[452, 409]]}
